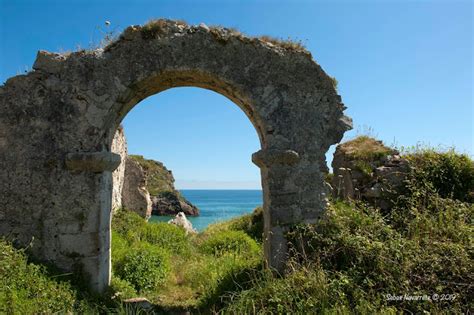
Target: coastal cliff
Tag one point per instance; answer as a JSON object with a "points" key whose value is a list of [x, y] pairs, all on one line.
{"points": [[166, 200], [145, 186]]}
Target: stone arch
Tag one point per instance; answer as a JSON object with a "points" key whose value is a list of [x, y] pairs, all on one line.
{"points": [[57, 123], [182, 78]]}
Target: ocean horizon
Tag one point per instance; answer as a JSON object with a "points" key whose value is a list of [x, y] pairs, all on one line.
{"points": [[218, 205]]}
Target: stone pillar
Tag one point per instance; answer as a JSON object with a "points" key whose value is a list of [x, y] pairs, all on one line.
{"points": [[94, 248], [280, 206]]}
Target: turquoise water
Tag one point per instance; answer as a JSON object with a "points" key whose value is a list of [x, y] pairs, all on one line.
{"points": [[218, 205]]}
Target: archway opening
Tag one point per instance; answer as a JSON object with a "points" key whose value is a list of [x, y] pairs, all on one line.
{"points": [[192, 146]]}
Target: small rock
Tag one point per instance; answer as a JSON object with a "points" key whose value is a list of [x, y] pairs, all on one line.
{"points": [[181, 220], [204, 27]]}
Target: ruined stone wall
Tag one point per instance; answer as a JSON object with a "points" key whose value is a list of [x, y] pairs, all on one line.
{"points": [[58, 121], [365, 169]]}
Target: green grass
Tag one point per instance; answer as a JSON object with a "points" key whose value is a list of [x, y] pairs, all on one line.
{"points": [[144, 266], [348, 263], [225, 242], [31, 288], [354, 258], [191, 272], [251, 224]]}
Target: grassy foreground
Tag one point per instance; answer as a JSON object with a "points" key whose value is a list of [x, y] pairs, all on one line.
{"points": [[178, 271], [416, 258]]}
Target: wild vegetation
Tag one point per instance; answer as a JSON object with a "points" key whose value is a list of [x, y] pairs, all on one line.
{"points": [[159, 178], [178, 271], [33, 288], [416, 258]]}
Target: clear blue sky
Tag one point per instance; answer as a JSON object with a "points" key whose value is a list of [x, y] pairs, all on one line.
{"points": [[405, 70]]}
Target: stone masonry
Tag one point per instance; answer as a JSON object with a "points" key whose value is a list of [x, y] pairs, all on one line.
{"points": [[57, 123], [365, 169]]}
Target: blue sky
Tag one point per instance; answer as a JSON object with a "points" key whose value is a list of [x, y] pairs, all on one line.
{"points": [[405, 71]]}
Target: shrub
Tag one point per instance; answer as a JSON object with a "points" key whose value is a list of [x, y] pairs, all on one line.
{"points": [[213, 278], [168, 236], [157, 27], [449, 174], [354, 258], [129, 226], [369, 257], [428, 216], [120, 247], [124, 221], [145, 267], [308, 290], [121, 289], [252, 224], [228, 242], [27, 288]]}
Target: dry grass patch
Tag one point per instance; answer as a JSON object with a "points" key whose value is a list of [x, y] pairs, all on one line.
{"points": [[366, 148], [288, 44], [157, 27]]}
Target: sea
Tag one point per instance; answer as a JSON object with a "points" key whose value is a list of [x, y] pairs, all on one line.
{"points": [[217, 205]]}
